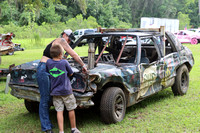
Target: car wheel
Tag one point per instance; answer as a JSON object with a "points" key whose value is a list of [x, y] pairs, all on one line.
{"points": [[32, 106], [194, 41], [11, 53], [181, 84], [113, 105]]}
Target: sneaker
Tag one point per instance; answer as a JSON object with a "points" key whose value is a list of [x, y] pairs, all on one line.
{"points": [[75, 131], [49, 131]]}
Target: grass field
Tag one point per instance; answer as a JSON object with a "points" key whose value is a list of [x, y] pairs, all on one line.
{"points": [[160, 113]]}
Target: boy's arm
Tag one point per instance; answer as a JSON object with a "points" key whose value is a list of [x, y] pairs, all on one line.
{"points": [[69, 69]]}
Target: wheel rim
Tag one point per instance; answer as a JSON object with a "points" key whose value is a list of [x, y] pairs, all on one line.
{"points": [[184, 81], [194, 41], [119, 106]]}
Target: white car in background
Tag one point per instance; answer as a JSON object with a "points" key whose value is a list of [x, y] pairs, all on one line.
{"points": [[80, 32], [197, 31]]}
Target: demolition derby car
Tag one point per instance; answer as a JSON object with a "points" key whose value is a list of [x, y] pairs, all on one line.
{"points": [[119, 74], [187, 36], [7, 47]]}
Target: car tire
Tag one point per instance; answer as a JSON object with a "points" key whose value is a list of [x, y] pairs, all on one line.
{"points": [[31, 106], [194, 41], [113, 105], [11, 53], [181, 84]]}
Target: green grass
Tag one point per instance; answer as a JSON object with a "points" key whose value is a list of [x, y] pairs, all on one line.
{"points": [[33, 43], [160, 113]]}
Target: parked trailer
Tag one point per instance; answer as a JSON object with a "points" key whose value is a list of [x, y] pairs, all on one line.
{"points": [[171, 25]]}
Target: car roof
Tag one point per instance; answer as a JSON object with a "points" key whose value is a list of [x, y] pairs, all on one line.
{"points": [[121, 34]]}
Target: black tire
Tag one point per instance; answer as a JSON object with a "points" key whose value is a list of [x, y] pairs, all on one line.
{"points": [[181, 84], [113, 105], [31, 106], [11, 53]]}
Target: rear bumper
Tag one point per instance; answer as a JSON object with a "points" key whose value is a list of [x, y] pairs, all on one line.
{"points": [[83, 100], [24, 92]]}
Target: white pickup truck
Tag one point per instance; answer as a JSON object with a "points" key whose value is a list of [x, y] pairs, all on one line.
{"points": [[80, 32]]}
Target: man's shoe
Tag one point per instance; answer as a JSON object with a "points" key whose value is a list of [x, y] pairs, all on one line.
{"points": [[49, 131], [75, 131]]}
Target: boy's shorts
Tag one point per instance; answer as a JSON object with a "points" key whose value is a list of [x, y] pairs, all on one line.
{"points": [[68, 101]]}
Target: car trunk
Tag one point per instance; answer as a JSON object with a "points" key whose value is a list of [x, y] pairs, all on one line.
{"points": [[24, 83]]}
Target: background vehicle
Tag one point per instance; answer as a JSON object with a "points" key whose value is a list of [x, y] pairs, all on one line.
{"points": [[7, 47], [196, 31], [81, 32], [185, 36], [119, 75], [171, 25]]}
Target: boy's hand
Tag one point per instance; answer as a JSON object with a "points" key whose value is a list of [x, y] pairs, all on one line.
{"points": [[70, 74]]}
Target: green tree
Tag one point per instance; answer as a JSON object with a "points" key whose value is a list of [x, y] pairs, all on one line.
{"points": [[151, 8], [49, 15], [193, 11], [108, 13], [9, 13], [80, 23], [184, 20]]}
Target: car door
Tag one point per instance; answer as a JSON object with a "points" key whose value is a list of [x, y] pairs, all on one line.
{"points": [[183, 37], [150, 76], [170, 60]]}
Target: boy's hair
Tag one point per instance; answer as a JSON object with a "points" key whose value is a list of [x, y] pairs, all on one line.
{"points": [[56, 50]]}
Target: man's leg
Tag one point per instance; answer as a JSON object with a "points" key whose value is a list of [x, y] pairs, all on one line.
{"points": [[44, 87], [60, 120]]}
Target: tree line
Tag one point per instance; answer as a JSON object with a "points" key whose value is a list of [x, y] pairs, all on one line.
{"points": [[93, 13]]}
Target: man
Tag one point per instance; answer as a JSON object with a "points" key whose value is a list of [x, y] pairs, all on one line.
{"points": [[43, 76]]}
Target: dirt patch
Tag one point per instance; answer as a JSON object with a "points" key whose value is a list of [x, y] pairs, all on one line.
{"points": [[3, 110], [9, 108]]}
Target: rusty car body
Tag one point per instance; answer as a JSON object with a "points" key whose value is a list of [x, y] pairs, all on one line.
{"points": [[119, 74]]}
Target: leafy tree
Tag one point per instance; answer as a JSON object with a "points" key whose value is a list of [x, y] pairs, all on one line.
{"points": [[49, 15], [193, 11], [108, 13], [9, 13], [82, 5], [182, 5], [91, 22], [80, 23], [184, 20], [151, 8]]}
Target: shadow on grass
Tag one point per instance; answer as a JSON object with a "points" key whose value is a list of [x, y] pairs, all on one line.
{"points": [[92, 115], [158, 97], [3, 79], [85, 118]]}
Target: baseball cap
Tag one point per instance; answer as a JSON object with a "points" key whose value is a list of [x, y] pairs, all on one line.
{"points": [[70, 34]]}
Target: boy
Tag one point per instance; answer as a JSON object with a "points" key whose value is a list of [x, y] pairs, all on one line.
{"points": [[61, 89]]}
